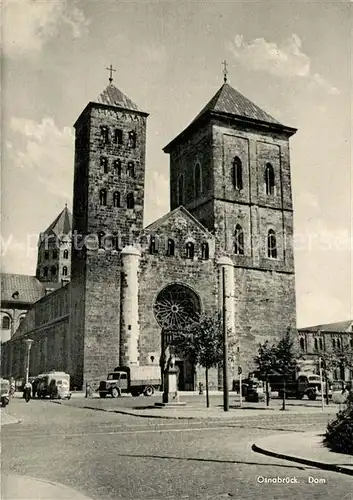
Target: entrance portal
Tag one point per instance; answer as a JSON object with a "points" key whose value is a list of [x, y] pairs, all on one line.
{"points": [[176, 307]]}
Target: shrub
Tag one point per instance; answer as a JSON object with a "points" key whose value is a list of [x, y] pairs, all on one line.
{"points": [[339, 434]]}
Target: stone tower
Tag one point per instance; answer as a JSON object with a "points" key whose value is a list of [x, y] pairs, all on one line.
{"points": [[107, 215], [54, 250], [231, 169]]}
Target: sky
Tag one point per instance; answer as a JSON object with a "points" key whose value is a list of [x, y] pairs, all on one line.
{"points": [[291, 58]]}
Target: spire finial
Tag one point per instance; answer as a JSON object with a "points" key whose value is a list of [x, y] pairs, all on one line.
{"points": [[225, 71], [110, 69]]}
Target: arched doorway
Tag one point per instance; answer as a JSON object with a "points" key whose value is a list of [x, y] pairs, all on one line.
{"points": [[175, 307]]}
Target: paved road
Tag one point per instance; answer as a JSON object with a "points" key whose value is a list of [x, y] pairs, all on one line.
{"points": [[113, 457]]}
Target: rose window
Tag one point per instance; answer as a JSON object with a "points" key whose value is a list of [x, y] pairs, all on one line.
{"points": [[176, 306]]}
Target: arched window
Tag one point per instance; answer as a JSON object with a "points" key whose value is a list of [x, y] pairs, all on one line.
{"points": [[46, 254], [101, 239], [117, 167], [351, 342], [5, 324], [130, 200], [105, 134], [321, 344], [334, 343], [45, 272], [316, 347], [237, 174], [205, 253], [132, 139], [53, 270], [180, 190], [118, 136], [153, 244], [269, 180], [64, 271], [197, 179], [239, 240], [170, 248], [271, 244], [302, 344], [66, 254], [20, 319], [116, 199], [104, 164], [55, 253], [131, 169], [116, 242], [103, 197], [338, 344], [189, 250]]}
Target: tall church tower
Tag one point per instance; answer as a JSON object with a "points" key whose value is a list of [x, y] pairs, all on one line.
{"points": [[107, 215], [231, 169]]}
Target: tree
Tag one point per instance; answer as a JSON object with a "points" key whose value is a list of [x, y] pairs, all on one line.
{"points": [[265, 362], [203, 342], [285, 360]]}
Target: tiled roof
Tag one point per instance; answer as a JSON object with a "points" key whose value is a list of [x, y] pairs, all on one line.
{"points": [[112, 96], [230, 101], [62, 224], [342, 326], [28, 287]]}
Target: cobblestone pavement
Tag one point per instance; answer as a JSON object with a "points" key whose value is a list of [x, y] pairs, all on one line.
{"points": [[108, 456]]}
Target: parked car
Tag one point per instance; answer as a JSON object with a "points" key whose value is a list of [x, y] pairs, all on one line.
{"points": [[4, 392]]}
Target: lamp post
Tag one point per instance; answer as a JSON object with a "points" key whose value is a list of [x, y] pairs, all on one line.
{"points": [[28, 343]]}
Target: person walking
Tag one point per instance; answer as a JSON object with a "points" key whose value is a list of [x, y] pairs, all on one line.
{"points": [[27, 391]]}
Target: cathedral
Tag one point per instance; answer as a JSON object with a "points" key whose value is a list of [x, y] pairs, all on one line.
{"points": [[111, 292]]}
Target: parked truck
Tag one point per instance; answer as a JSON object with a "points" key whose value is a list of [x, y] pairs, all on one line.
{"points": [[135, 380], [300, 385]]}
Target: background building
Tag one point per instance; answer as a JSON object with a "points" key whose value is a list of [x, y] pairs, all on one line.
{"points": [[315, 341]]}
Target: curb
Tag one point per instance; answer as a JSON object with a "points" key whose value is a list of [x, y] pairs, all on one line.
{"points": [[304, 461], [178, 417]]}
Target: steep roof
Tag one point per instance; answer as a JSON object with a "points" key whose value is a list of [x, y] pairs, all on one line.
{"points": [[62, 224], [29, 288], [230, 101], [112, 96], [341, 326]]}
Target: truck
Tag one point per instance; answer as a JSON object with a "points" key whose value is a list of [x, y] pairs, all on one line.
{"points": [[55, 384], [300, 385], [134, 380]]}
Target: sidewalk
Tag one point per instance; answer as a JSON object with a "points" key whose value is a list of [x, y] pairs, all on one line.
{"points": [[305, 448], [17, 487], [7, 419]]}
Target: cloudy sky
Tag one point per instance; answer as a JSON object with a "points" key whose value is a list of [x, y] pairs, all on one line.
{"points": [[291, 58]]}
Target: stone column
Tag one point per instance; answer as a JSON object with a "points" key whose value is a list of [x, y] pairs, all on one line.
{"points": [[226, 267], [129, 320]]}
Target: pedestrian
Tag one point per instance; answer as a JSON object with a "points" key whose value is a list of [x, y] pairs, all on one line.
{"points": [[27, 391], [12, 387]]}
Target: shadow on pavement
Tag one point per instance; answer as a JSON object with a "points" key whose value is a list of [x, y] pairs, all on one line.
{"points": [[213, 460]]}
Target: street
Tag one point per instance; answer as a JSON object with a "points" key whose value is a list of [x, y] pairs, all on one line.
{"points": [[109, 456]]}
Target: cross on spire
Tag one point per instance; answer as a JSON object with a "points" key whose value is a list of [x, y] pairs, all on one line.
{"points": [[225, 71], [111, 70]]}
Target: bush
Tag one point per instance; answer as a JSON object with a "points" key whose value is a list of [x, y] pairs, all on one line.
{"points": [[339, 434]]}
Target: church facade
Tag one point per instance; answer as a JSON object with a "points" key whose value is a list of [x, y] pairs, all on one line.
{"points": [[133, 287]]}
